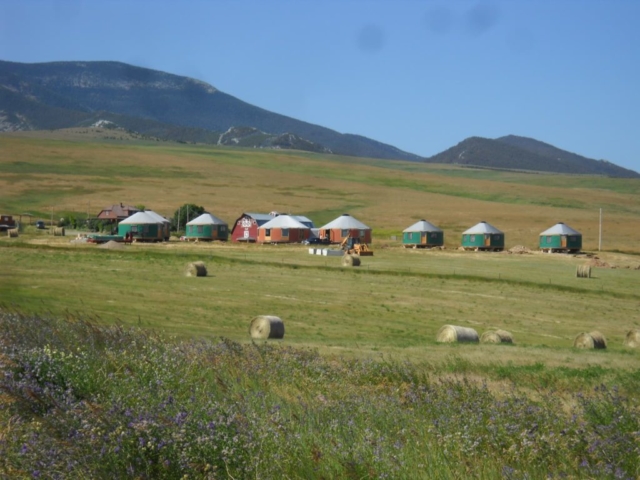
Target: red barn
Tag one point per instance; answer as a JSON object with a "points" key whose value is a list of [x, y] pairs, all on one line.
{"points": [[245, 228], [283, 229]]}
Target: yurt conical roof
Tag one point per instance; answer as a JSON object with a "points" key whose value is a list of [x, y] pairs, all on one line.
{"points": [[140, 218], [345, 221], [207, 219], [284, 221], [482, 228], [422, 226], [560, 229], [159, 218]]}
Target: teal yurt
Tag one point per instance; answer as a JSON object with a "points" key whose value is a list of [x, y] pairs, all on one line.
{"points": [[166, 224], [561, 238], [207, 227], [422, 234], [483, 236], [143, 227]]}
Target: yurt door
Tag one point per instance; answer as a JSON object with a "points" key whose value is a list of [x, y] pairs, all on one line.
{"points": [[563, 241], [487, 240], [424, 239]]}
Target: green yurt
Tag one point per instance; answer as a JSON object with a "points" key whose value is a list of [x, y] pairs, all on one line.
{"points": [[483, 236], [207, 227], [143, 227], [422, 234], [561, 238], [166, 224]]}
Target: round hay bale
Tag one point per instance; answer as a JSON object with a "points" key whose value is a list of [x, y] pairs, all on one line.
{"points": [[196, 269], [590, 340], [12, 233], [632, 339], [454, 333], [583, 271], [496, 336], [58, 232], [350, 261], [266, 326]]}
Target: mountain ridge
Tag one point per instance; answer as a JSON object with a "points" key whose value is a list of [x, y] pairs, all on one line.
{"points": [[57, 95], [119, 88], [513, 152]]}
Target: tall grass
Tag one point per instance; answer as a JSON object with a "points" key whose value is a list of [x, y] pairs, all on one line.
{"points": [[84, 401]]}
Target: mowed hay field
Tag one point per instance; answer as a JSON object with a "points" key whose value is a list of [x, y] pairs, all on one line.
{"points": [[392, 305]]}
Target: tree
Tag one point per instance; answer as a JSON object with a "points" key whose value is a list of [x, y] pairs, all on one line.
{"points": [[184, 214]]}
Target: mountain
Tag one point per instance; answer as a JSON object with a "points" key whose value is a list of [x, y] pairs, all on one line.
{"points": [[521, 153], [71, 94]]}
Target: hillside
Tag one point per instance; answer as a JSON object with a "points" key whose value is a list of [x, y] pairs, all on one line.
{"points": [[521, 153], [71, 94]]}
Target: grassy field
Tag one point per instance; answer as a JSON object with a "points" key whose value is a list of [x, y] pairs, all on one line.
{"points": [[114, 363], [393, 304], [48, 176]]}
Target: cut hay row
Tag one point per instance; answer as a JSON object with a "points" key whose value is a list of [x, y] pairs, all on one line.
{"points": [[266, 326], [590, 340], [196, 269], [632, 338], [496, 336], [58, 232], [12, 233], [454, 333], [350, 261], [583, 271]]}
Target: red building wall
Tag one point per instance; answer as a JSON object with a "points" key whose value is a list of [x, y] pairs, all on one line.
{"points": [[296, 235], [245, 228], [336, 235]]}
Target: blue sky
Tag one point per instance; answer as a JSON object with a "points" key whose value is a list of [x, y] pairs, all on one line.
{"points": [[420, 75]]}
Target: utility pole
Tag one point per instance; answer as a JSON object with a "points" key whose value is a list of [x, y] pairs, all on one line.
{"points": [[600, 233]]}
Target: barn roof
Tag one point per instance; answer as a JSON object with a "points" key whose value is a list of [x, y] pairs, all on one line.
{"points": [[260, 216], [140, 218], [302, 219], [345, 221], [482, 227], [207, 219], [284, 221], [422, 226], [560, 229]]}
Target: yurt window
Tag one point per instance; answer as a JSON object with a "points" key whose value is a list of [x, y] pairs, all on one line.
{"points": [[267, 232], [285, 232], [434, 234], [472, 238], [134, 228], [361, 233], [548, 238], [344, 233], [223, 228], [200, 229], [496, 236]]}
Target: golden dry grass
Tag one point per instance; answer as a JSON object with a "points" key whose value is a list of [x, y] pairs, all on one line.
{"points": [[87, 176]]}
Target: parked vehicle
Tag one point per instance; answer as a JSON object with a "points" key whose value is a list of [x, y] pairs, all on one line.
{"points": [[317, 241], [40, 225]]}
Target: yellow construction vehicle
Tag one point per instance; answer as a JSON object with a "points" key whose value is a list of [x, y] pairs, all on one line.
{"points": [[352, 246]]}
